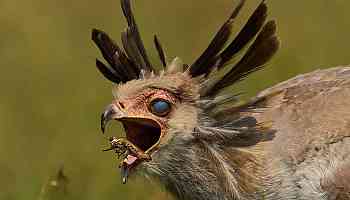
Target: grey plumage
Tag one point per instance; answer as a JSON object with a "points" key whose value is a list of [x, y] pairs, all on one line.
{"points": [[289, 142]]}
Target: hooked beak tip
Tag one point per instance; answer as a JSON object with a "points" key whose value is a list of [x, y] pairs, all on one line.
{"points": [[103, 123], [106, 117]]}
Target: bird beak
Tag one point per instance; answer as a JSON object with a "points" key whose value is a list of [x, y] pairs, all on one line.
{"points": [[111, 112], [145, 133], [142, 135]]}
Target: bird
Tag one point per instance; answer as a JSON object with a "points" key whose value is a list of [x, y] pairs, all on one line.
{"points": [[187, 131]]}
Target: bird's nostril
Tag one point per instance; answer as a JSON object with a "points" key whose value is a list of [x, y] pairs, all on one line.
{"points": [[121, 105]]}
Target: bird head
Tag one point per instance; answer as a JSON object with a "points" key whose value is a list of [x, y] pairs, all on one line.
{"points": [[153, 109], [177, 103], [150, 106]]}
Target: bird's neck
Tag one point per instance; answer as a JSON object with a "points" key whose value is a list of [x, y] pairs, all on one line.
{"points": [[198, 170]]}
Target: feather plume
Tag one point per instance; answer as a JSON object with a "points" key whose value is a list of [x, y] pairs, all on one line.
{"points": [[107, 72], [248, 32], [132, 40], [160, 50], [203, 64], [261, 51], [115, 57]]}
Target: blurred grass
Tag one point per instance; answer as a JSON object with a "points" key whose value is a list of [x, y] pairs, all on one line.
{"points": [[52, 95]]}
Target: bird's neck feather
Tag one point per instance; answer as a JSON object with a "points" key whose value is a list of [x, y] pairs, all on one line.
{"points": [[195, 169]]}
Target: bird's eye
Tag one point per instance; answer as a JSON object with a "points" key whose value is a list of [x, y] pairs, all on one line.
{"points": [[160, 107]]}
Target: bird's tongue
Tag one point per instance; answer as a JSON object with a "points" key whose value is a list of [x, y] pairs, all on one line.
{"points": [[130, 159], [127, 164]]}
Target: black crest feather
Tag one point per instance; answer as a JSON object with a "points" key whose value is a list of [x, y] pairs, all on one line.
{"points": [[261, 51], [128, 64], [124, 65], [248, 32], [107, 72], [115, 57], [132, 40], [204, 63], [160, 50]]}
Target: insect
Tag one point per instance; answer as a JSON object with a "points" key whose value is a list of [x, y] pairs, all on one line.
{"points": [[129, 153], [122, 147]]}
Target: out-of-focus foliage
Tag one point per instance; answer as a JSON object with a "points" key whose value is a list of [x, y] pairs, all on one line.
{"points": [[52, 95]]}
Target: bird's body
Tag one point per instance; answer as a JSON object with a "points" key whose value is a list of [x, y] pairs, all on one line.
{"points": [[307, 156], [290, 142], [311, 116]]}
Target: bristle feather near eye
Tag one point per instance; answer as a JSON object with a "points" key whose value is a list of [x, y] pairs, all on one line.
{"points": [[175, 66]]}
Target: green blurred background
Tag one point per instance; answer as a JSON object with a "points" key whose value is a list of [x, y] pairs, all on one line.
{"points": [[52, 94]]}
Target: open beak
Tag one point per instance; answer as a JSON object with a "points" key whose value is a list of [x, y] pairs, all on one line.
{"points": [[142, 137], [111, 112]]}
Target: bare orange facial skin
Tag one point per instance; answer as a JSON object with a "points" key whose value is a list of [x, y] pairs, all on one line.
{"points": [[138, 106], [146, 108], [143, 129]]}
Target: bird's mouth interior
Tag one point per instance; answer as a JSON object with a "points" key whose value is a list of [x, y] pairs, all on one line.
{"points": [[142, 136], [143, 133]]}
